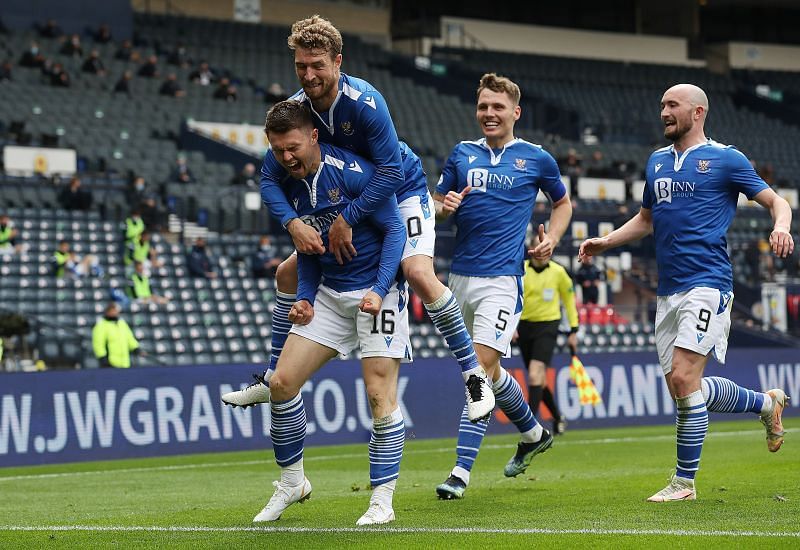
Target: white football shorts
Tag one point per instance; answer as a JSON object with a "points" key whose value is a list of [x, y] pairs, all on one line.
{"points": [[340, 325], [491, 307], [419, 216], [698, 320]]}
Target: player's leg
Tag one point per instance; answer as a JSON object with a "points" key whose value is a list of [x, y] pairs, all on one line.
{"points": [[441, 305], [384, 342], [302, 358], [559, 420], [536, 381], [258, 392]]}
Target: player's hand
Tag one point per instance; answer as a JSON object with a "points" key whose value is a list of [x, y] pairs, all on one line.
{"points": [[781, 242], [453, 200], [340, 240], [592, 247], [547, 244], [301, 313], [371, 303], [306, 239], [572, 342]]}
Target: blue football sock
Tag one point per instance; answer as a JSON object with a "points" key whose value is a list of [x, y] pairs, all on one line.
{"points": [[280, 328], [288, 430], [509, 398], [446, 316], [692, 425], [723, 395], [386, 448]]}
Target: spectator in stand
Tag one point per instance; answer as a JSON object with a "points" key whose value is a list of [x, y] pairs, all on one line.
{"points": [[125, 52], [247, 177], [589, 277], [8, 237], [139, 287], [171, 88], [225, 91], [58, 76], [198, 262], [179, 56], [94, 64], [113, 340], [72, 46], [264, 261], [149, 68], [67, 263], [32, 57], [275, 93], [139, 250], [181, 173], [5, 71], [570, 166], [102, 35], [597, 167], [50, 29], [134, 226], [75, 198], [202, 75], [137, 191], [123, 85]]}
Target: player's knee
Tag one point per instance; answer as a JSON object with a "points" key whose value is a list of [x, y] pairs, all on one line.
{"points": [[681, 383], [286, 275], [422, 279], [280, 388]]}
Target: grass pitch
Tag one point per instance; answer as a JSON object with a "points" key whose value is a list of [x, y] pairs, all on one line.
{"points": [[588, 491]]}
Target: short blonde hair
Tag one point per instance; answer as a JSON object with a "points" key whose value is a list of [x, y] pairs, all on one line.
{"points": [[316, 33], [500, 84]]}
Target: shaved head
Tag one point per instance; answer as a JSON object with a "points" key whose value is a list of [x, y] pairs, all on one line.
{"points": [[684, 108]]}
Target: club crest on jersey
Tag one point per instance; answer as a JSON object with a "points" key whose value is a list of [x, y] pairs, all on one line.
{"points": [[703, 166], [347, 128], [519, 164], [334, 195]]}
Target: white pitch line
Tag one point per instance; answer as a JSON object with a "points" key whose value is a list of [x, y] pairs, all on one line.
{"points": [[178, 467], [398, 530]]}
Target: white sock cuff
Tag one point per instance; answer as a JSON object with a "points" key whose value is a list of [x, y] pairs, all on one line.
{"points": [[285, 296], [496, 385], [461, 473], [441, 300], [692, 400], [705, 388], [382, 423]]}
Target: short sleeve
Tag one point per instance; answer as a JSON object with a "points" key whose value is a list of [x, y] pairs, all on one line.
{"points": [[448, 181], [550, 178], [743, 178]]}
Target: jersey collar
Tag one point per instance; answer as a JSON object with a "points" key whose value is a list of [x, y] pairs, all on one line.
{"points": [[680, 158], [495, 159], [331, 127], [312, 188]]}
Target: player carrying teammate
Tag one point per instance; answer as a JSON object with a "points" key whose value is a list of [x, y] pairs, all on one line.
{"points": [[349, 112], [322, 181], [688, 204], [490, 187]]}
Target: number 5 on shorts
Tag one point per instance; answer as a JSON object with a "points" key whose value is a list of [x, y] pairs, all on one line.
{"points": [[502, 320]]}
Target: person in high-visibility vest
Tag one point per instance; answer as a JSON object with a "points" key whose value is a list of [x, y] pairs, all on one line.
{"points": [[67, 263], [139, 287], [140, 250], [134, 226], [8, 236], [113, 341], [546, 285]]}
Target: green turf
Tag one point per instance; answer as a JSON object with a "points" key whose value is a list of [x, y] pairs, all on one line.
{"points": [[593, 480]]}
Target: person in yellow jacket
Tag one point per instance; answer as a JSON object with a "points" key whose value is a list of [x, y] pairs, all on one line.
{"points": [[134, 226], [112, 340], [546, 285]]}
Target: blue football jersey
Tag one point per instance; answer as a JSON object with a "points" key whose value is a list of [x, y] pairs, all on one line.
{"points": [[379, 239], [693, 200], [358, 120], [493, 217]]}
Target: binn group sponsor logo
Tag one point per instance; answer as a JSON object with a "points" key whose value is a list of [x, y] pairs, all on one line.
{"points": [[482, 179], [667, 190]]}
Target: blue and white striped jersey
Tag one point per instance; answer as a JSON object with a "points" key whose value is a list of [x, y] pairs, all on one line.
{"points": [[693, 198], [494, 216]]}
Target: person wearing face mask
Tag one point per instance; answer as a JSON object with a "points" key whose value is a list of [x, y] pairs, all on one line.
{"points": [[263, 261], [113, 340], [198, 262]]}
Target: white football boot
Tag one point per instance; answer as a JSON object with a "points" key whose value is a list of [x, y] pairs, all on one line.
{"points": [[254, 394], [377, 514], [283, 497], [679, 488], [480, 396], [772, 420]]}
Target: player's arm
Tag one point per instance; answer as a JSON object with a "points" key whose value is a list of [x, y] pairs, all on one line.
{"points": [[781, 237], [384, 152], [309, 276], [447, 198], [388, 219], [550, 183], [305, 238], [638, 227]]}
